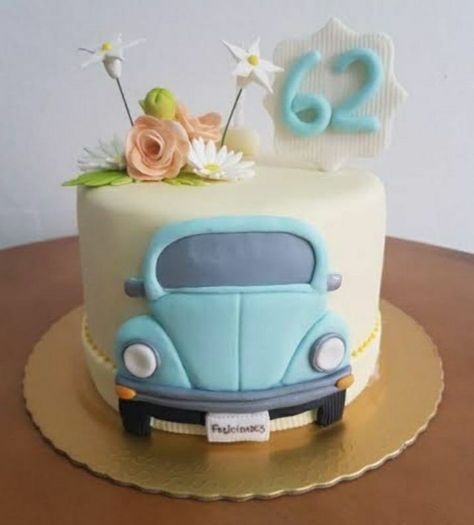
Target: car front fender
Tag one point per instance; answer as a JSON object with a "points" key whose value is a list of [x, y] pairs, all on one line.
{"points": [[299, 368], [145, 329]]}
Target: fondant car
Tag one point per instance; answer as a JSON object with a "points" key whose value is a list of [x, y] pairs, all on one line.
{"points": [[238, 323]]}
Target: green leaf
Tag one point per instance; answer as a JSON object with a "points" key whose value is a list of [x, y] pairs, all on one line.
{"points": [[186, 179], [121, 181], [103, 179], [71, 182], [96, 178], [171, 182]]}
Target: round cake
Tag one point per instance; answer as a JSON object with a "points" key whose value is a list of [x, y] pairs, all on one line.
{"points": [[228, 293]]}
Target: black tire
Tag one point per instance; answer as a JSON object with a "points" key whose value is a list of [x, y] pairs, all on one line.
{"points": [[332, 409], [135, 419]]}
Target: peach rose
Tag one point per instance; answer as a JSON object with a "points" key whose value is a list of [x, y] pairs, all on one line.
{"points": [[207, 126], [155, 149]]}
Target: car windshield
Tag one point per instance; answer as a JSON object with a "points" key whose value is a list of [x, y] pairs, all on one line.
{"points": [[236, 259]]}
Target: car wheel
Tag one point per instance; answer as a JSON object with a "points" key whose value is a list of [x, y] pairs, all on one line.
{"points": [[135, 420], [332, 409]]}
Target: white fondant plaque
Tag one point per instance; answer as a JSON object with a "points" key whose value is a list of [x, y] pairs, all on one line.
{"points": [[337, 97], [228, 428]]}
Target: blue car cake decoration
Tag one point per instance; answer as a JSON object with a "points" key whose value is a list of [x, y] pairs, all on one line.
{"points": [[238, 331]]}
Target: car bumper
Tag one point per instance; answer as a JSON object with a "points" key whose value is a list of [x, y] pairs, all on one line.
{"points": [[235, 402]]}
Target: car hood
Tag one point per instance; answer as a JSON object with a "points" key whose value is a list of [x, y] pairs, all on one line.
{"points": [[237, 341]]}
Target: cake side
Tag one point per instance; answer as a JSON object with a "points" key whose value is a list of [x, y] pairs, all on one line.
{"points": [[347, 209]]}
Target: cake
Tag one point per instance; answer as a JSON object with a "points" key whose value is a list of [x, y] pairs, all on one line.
{"points": [[232, 294]]}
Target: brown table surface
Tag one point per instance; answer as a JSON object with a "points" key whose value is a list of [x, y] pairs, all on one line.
{"points": [[432, 482]]}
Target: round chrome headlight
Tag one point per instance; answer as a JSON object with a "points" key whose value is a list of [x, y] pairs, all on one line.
{"points": [[328, 353], [140, 360]]}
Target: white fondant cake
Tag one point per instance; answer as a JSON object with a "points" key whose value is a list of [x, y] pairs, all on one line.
{"points": [[229, 296], [346, 208]]}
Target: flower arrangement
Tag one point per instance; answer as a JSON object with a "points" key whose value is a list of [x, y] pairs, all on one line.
{"points": [[167, 143]]}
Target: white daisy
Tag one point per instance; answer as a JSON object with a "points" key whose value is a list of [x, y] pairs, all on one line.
{"points": [[209, 162], [110, 53], [250, 66], [109, 156]]}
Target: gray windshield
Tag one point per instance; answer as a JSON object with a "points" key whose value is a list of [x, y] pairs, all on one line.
{"points": [[236, 259]]}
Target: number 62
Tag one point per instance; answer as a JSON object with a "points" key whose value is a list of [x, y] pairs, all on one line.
{"points": [[309, 114]]}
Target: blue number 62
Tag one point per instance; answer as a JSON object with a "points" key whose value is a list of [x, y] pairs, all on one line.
{"points": [[309, 114]]}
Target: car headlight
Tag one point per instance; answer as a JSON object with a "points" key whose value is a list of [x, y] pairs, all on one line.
{"points": [[328, 353], [140, 360]]}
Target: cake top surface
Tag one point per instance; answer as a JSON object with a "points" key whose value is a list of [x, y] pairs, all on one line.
{"points": [[331, 96], [274, 190]]}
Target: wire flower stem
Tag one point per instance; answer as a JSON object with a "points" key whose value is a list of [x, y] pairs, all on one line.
{"points": [[232, 111], [125, 101]]}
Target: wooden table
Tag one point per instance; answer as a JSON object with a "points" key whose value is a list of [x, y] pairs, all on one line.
{"points": [[430, 483]]}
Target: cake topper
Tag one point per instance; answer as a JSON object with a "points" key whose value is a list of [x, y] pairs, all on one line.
{"points": [[167, 143], [337, 98], [110, 53], [107, 156], [251, 67], [208, 162]]}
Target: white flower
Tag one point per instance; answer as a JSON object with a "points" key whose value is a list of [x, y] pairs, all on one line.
{"points": [[208, 162], [250, 66], [109, 156], [110, 53]]}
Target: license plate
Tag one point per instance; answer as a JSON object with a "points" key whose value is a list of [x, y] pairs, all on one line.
{"points": [[228, 428]]}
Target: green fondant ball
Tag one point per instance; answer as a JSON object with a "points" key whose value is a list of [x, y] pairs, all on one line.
{"points": [[159, 103]]}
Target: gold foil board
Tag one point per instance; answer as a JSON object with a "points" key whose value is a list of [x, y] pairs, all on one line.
{"points": [[378, 425]]}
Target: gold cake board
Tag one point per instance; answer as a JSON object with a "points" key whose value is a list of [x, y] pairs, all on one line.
{"points": [[386, 418]]}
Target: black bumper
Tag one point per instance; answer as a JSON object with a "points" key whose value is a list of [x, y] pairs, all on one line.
{"points": [[142, 409]]}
